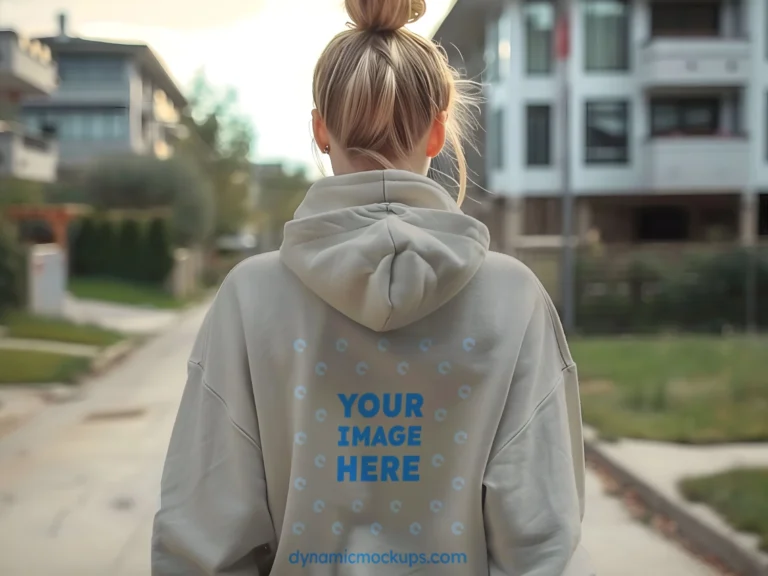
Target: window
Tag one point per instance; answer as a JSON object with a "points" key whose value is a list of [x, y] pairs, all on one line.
{"points": [[661, 224], [492, 65], [687, 116], [94, 125], [607, 132], [538, 142], [88, 69], [539, 24], [670, 18], [496, 139], [606, 35]]}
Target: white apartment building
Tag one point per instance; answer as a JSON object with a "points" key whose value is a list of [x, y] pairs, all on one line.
{"points": [[26, 69], [668, 116], [112, 98]]}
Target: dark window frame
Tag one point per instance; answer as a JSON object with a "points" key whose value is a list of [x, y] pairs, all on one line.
{"points": [[492, 59], [542, 158], [661, 223], [496, 135], [625, 110], [681, 104], [680, 23], [530, 69], [626, 64]]}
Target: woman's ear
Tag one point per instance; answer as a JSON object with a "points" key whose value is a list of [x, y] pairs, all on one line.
{"points": [[320, 131], [436, 140]]}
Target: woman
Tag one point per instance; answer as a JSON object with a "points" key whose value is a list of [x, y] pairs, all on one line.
{"points": [[384, 395]]}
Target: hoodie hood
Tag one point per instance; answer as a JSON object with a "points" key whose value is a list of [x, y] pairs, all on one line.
{"points": [[384, 248]]}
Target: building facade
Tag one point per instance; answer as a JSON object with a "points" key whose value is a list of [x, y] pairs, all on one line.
{"points": [[667, 113], [112, 98], [26, 69]]}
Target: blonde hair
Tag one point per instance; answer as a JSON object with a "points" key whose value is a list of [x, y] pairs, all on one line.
{"points": [[379, 87]]}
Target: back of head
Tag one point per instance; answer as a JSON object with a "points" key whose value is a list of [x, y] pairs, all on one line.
{"points": [[379, 87]]}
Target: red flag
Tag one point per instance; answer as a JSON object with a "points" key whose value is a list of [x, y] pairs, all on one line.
{"points": [[562, 39]]}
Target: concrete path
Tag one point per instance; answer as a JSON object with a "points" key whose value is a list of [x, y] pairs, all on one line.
{"points": [[63, 348], [662, 466], [126, 319], [78, 490]]}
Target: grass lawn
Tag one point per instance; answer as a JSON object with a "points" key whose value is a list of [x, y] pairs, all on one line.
{"points": [[39, 328], [739, 496], [679, 389], [28, 367], [123, 293]]}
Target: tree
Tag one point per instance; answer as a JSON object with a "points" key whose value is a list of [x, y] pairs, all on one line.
{"points": [[280, 193], [104, 248], [220, 140], [12, 269], [20, 192], [143, 182], [82, 254], [158, 252], [128, 261]]}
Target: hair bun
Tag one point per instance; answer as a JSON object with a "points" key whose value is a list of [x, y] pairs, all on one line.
{"points": [[384, 15]]}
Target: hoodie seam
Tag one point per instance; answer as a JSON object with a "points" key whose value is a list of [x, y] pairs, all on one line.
{"points": [[218, 396], [560, 379], [362, 227], [394, 251], [553, 323]]}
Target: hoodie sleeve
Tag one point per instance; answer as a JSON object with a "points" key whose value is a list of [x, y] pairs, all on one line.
{"points": [[213, 517], [534, 481]]}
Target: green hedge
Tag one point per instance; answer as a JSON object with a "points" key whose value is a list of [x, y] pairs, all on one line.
{"points": [[12, 269], [687, 291], [125, 249]]}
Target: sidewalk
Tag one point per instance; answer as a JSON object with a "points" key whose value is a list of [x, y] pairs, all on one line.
{"points": [[655, 469], [79, 486], [125, 319]]}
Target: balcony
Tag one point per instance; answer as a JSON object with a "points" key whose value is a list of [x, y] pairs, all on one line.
{"points": [[694, 61], [696, 163], [26, 157], [26, 67]]}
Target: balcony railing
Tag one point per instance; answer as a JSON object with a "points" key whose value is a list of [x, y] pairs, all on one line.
{"points": [[695, 61], [26, 157], [697, 163]]}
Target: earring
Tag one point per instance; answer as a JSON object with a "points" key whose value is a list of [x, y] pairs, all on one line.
{"points": [[327, 149]]}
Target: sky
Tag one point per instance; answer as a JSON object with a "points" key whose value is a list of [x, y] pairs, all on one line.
{"points": [[266, 49]]}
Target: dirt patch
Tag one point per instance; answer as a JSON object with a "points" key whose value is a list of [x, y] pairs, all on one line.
{"points": [[596, 387], [119, 414]]}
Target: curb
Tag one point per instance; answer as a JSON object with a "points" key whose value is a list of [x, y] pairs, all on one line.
{"points": [[703, 538], [110, 356]]}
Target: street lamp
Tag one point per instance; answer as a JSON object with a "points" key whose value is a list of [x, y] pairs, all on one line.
{"points": [[563, 53]]}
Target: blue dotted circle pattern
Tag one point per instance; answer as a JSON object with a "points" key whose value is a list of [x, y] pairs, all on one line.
{"points": [[461, 437], [300, 345]]}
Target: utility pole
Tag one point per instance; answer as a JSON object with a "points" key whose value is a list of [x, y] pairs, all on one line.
{"points": [[563, 53]]}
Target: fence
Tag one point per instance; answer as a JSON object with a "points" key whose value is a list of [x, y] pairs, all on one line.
{"points": [[691, 288]]}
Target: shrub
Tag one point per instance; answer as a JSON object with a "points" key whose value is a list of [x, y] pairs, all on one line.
{"points": [[12, 269], [158, 252], [691, 292], [83, 249], [129, 258], [105, 248]]}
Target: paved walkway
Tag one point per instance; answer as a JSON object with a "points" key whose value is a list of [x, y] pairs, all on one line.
{"points": [[126, 319], [662, 466], [79, 488]]}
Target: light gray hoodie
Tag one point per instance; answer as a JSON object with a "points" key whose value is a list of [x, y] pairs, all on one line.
{"points": [[383, 397]]}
